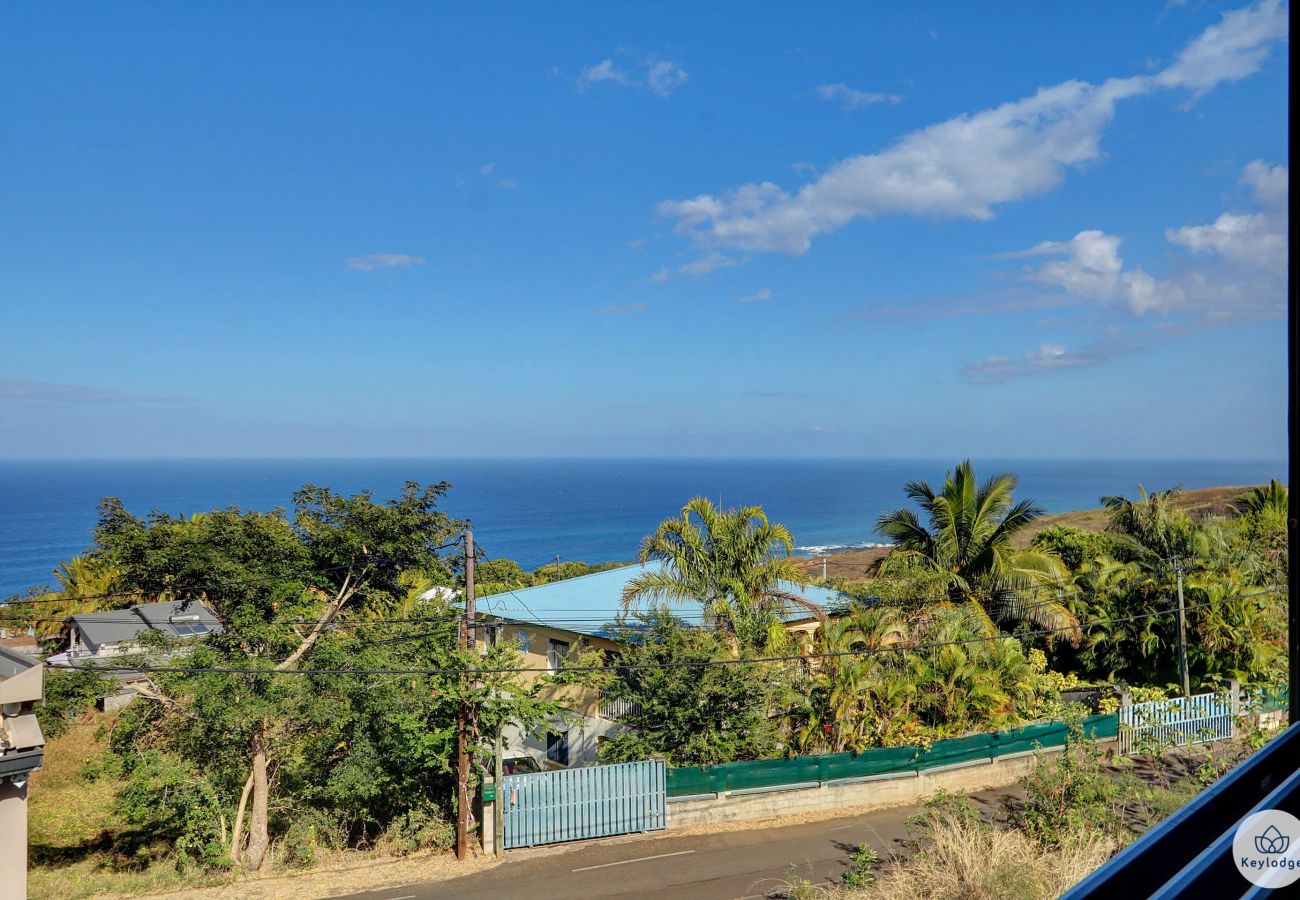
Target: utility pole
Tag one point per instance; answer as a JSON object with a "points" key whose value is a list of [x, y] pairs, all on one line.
{"points": [[1182, 630], [464, 715], [823, 569], [499, 803]]}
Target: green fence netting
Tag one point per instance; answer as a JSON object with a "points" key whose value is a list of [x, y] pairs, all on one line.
{"points": [[796, 770], [1267, 699]]}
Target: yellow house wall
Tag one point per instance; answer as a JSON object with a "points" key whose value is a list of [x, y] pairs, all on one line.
{"points": [[575, 697]]}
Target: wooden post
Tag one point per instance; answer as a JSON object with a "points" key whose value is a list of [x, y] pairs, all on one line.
{"points": [[498, 805], [1182, 631], [464, 715]]}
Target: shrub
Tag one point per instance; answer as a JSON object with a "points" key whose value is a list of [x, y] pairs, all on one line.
{"points": [[69, 693], [958, 856], [1067, 793], [862, 864], [422, 828]]}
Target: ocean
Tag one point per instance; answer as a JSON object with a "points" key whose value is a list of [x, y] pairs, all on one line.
{"points": [[534, 510]]}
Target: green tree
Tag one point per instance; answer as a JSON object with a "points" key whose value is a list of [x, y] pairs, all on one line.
{"points": [[856, 695], [734, 563], [968, 539], [1074, 546], [1274, 498], [1263, 516], [277, 586], [1152, 529], [683, 709]]}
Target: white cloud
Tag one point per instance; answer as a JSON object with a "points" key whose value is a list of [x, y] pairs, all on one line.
{"points": [[1055, 356], [1231, 50], [1092, 268], [660, 76], [759, 296], [969, 164], [664, 77], [990, 370], [487, 168], [508, 183], [1047, 358], [958, 168], [602, 71], [661, 276], [1269, 183], [383, 261], [622, 309], [1253, 239], [1245, 275], [854, 98], [706, 264]]}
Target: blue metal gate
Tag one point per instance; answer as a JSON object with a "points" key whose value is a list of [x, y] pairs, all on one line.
{"points": [[589, 802], [1180, 721]]}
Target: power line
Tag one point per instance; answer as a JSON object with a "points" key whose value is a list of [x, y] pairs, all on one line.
{"points": [[15, 600], [893, 648]]}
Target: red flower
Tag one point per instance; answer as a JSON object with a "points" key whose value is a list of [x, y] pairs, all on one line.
{"points": [[826, 729]]}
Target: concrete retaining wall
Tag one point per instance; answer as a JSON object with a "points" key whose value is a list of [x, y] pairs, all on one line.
{"points": [[870, 792]]}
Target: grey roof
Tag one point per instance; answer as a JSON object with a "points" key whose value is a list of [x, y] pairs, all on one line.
{"points": [[12, 662], [174, 618]]}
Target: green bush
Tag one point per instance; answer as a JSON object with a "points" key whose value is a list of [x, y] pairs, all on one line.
{"points": [[69, 693], [1068, 793], [166, 797], [421, 828], [862, 865]]}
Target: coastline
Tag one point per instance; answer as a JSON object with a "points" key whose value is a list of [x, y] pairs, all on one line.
{"points": [[853, 561]]}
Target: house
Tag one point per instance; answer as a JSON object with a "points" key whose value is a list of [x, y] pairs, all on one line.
{"points": [[24, 643], [99, 636], [22, 749], [550, 621]]}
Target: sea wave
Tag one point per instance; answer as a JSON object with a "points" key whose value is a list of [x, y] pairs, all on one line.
{"points": [[820, 549]]}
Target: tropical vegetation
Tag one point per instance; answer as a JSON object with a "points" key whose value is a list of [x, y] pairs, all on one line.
{"points": [[968, 539], [733, 563], [283, 738]]}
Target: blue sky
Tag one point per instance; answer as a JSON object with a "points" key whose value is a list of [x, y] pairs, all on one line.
{"points": [[651, 230]]}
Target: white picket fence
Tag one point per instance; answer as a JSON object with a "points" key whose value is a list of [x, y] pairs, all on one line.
{"points": [[618, 710], [1179, 721]]}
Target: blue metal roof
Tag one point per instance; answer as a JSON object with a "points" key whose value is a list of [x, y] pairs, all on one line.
{"points": [[588, 604]]}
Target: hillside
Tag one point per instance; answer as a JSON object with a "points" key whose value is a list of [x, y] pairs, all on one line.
{"points": [[1199, 503]]}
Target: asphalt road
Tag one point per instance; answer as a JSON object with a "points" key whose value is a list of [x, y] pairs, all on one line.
{"points": [[730, 864]]}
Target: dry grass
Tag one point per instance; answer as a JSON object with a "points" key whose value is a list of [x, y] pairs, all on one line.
{"points": [[974, 860], [1202, 502], [78, 845], [76, 841], [65, 810], [345, 873], [1199, 503]]}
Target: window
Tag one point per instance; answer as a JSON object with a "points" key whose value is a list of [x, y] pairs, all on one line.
{"points": [[557, 747], [188, 629], [556, 651], [524, 640]]}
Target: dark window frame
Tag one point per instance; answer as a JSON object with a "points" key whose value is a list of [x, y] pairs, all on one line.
{"points": [[557, 747], [554, 658]]}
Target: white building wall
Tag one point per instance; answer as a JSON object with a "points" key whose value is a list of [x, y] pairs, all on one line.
{"points": [[584, 733]]}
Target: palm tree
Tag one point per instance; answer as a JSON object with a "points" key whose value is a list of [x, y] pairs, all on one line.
{"points": [[855, 696], [1153, 523], [1274, 498], [734, 563], [968, 541]]}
